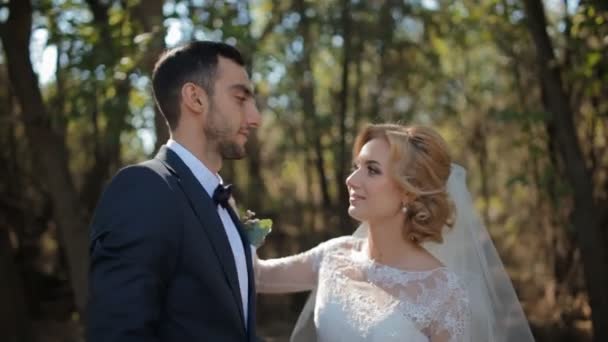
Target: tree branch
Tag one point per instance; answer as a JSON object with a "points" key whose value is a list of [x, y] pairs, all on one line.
{"points": [[100, 11]]}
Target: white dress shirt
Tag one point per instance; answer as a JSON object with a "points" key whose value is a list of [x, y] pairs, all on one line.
{"points": [[210, 181]]}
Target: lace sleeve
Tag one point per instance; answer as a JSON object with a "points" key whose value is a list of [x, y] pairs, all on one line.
{"points": [[452, 317], [294, 273]]}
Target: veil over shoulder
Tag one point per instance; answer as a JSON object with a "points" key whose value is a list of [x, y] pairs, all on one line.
{"points": [[467, 251]]}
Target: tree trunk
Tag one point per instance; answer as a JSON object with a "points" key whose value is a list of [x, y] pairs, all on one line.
{"points": [[586, 215], [150, 14], [357, 92], [387, 29], [14, 320], [255, 183], [479, 146], [161, 128], [107, 147], [308, 103], [14, 323], [341, 158], [107, 142], [48, 149], [255, 186]]}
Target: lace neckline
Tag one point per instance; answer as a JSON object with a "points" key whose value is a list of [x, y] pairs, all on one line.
{"points": [[364, 256]]}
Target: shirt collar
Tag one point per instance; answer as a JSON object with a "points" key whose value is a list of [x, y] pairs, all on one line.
{"points": [[205, 177]]}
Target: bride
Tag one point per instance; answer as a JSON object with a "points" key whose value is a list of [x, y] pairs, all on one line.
{"points": [[420, 267]]}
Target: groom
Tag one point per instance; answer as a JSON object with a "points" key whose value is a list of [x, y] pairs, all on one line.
{"points": [[169, 260]]}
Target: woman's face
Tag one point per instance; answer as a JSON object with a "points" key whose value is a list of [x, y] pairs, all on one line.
{"points": [[373, 194]]}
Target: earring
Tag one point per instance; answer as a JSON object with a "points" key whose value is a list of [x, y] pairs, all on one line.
{"points": [[404, 209]]}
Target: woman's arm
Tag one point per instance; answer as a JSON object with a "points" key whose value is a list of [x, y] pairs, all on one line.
{"points": [[294, 273]]}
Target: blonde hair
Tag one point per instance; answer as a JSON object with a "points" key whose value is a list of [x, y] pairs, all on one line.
{"points": [[420, 164]]}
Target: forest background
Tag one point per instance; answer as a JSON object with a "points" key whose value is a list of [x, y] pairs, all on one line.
{"points": [[517, 87]]}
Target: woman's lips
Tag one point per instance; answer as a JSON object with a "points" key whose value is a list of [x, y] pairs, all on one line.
{"points": [[355, 197]]}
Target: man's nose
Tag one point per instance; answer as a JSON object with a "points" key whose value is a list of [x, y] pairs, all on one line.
{"points": [[254, 118]]}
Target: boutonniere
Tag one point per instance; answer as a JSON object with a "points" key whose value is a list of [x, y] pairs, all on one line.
{"points": [[256, 229]]}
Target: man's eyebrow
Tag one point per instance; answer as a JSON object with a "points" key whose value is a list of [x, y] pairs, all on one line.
{"points": [[243, 88]]}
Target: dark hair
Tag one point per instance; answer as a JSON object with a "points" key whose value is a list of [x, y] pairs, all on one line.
{"points": [[194, 62]]}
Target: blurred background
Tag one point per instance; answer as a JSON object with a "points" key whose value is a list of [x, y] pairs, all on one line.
{"points": [[517, 87]]}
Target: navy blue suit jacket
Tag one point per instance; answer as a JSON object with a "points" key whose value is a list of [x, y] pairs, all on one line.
{"points": [[161, 265]]}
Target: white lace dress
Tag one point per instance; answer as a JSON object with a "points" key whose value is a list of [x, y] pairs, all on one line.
{"points": [[358, 299]]}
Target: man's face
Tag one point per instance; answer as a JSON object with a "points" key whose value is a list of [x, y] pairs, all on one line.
{"points": [[232, 112]]}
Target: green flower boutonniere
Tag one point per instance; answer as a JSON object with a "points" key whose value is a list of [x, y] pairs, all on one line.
{"points": [[256, 229]]}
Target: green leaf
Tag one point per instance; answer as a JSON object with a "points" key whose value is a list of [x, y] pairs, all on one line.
{"points": [[518, 179], [265, 224], [257, 230]]}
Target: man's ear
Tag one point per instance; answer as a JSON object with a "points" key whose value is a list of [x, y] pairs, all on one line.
{"points": [[194, 98]]}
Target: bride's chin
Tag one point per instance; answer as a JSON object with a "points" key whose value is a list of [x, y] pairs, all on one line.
{"points": [[353, 212]]}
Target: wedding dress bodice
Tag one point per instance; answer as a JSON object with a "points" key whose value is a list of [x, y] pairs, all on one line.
{"points": [[358, 299]]}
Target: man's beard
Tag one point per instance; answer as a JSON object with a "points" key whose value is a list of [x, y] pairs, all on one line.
{"points": [[231, 150], [218, 132]]}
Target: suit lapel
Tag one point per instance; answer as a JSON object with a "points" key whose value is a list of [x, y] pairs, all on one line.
{"points": [[250, 275], [207, 214]]}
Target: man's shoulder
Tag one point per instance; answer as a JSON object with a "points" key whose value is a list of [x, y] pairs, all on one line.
{"points": [[149, 170], [147, 186], [140, 199], [150, 176]]}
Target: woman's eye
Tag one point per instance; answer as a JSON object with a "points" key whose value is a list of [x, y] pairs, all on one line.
{"points": [[372, 171], [354, 168]]}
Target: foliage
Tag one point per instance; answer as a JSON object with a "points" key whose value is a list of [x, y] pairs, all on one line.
{"points": [[465, 67]]}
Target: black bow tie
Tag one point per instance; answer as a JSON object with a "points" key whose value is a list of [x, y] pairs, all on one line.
{"points": [[222, 194]]}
